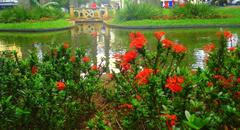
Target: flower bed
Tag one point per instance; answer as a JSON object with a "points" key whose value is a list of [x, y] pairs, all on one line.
{"points": [[151, 91]]}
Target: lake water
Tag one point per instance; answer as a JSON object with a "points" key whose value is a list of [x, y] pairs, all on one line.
{"points": [[109, 41]]}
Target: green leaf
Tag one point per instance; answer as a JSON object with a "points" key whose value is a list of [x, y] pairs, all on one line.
{"points": [[188, 115]]}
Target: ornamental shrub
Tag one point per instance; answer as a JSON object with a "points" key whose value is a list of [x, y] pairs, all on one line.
{"points": [[198, 10], [152, 90], [134, 11], [20, 14], [52, 93]]}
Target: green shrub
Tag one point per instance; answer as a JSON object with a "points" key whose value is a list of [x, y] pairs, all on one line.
{"points": [[54, 93], [19, 14], [138, 12], [197, 10], [16, 14]]}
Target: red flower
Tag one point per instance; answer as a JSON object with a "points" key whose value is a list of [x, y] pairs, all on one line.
{"points": [[238, 80], [167, 43], [94, 67], [126, 105], [173, 83], [73, 59], [209, 47], [65, 45], [138, 40], [118, 57], [125, 66], [209, 84], [232, 48], [138, 43], [237, 95], [227, 34], [34, 69], [60, 85], [138, 97], [170, 120], [86, 59], [129, 56], [179, 48], [158, 35], [142, 77], [110, 76]]}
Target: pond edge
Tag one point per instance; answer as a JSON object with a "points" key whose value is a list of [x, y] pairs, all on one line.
{"points": [[38, 30], [172, 26]]}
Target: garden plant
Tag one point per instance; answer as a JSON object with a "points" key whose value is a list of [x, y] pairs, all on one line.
{"points": [[153, 91], [150, 89], [53, 93]]}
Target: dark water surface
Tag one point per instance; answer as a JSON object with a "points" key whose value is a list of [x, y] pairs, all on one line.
{"points": [[110, 41]]}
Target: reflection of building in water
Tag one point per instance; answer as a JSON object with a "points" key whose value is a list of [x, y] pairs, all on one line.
{"points": [[233, 41], [200, 56], [38, 47], [102, 38], [11, 48]]}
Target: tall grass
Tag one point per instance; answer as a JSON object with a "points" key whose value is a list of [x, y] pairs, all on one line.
{"points": [[138, 12]]}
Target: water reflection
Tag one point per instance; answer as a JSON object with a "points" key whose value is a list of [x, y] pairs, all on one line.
{"points": [[103, 42], [201, 55]]}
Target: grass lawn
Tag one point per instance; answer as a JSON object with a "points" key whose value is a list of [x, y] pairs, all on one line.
{"points": [[37, 25], [233, 13]]}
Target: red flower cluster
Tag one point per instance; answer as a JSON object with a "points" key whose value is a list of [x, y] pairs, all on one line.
{"points": [[73, 59], [109, 75], [225, 82], [86, 59], [65, 45], [170, 120], [159, 35], [232, 48], [237, 95], [34, 69], [209, 47], [138, 97], [210, 84], [125, 66], [178, 48], [60, 85], [126, 105], [94, 68], [167, 43], [138, 40], [173, 83], [238, 80], [226, 34], [129, 56], [142, 77]]}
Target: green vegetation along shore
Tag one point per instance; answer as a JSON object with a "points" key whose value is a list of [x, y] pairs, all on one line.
{"points": [[61, 23], [233, 17]]}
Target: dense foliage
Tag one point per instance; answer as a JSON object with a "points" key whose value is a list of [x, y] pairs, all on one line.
{"points": [[138, 12], [152, 90], [198, 10], [52, 93], [20, 14]]}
